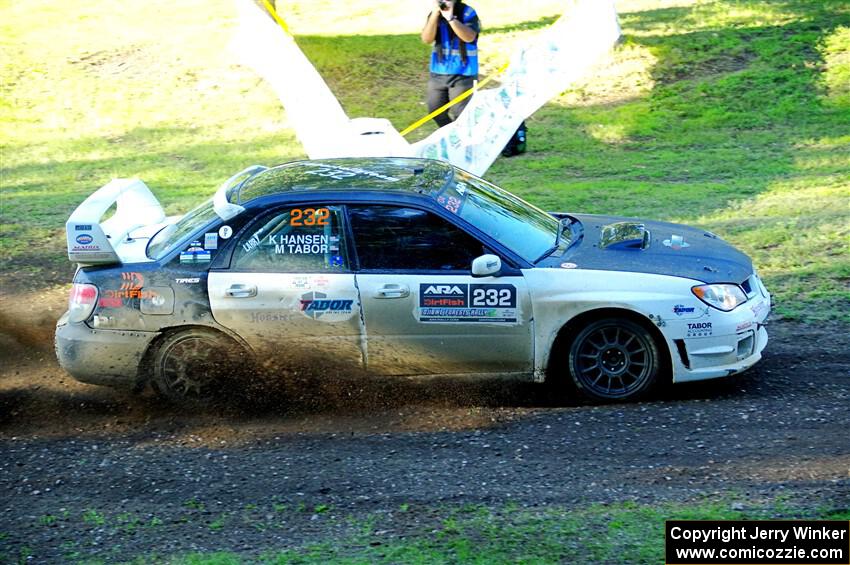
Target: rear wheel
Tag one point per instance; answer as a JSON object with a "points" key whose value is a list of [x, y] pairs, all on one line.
{"points": [[192, 365], [614, 359]]}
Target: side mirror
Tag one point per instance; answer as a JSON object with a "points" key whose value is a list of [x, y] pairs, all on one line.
{"points": [[486, 265]]}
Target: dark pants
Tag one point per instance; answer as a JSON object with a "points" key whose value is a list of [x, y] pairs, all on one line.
{"points": [[441, 89]]}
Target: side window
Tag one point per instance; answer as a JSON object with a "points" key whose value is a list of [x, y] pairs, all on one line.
{"points": [[390, 238], [297, 239]]}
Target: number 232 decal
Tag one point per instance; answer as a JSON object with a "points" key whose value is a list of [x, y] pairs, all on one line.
{"points": [[484, 296], [309, 217]]}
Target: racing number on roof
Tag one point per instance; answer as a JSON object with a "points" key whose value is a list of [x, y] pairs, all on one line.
{"points": [[332, 172]]}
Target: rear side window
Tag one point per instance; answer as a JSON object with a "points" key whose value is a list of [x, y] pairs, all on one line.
{"points": [[407, 239], [297, 239]]}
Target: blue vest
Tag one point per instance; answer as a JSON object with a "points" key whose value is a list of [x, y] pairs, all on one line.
{"points": [[450, 63]]}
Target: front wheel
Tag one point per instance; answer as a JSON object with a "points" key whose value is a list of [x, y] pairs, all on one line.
{"points": [[191, 365], [614, 359]]}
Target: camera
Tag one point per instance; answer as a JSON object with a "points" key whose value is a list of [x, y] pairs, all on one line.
{"points": [[443, 5]]}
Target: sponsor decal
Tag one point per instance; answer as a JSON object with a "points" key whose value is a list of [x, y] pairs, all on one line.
{"points": [[299, 244], [211, 241], [443, 295], [129, 294], [195, 254], [659, 321], [700, 329], [339, 172], [568, 265], [744, 326], [300, 283], [224, 232], [191, 280], [78, 248], [680, 309], [103, 321], [83, 227], [253, 242], [467, 303], [758, 309], [266, 317], [336, 261], [132, 281], [84, 239], [317, 304], [676, 242], [110, 302]]}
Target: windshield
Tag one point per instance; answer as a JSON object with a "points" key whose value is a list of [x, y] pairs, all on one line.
{"points": [[171, 235], [525, 229]]}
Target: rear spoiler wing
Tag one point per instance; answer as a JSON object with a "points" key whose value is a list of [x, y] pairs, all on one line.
{"points": [[91, 242]]}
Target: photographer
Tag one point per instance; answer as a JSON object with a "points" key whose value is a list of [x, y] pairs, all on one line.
{"points": [[453, 28]]}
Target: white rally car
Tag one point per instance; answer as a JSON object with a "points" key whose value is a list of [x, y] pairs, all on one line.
{"points": [[395, 266]]}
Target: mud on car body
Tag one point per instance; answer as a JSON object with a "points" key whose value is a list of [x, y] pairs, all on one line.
{"points": [[398, 267]]}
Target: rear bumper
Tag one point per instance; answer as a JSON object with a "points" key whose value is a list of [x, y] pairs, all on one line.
{"points": [[101, 357]]}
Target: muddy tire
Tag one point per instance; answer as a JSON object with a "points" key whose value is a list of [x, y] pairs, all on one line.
{"points": [[195, 365], [614, 359]]}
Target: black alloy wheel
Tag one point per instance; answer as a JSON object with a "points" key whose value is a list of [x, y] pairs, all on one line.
{"points": [[614, 359], [192, 365]]}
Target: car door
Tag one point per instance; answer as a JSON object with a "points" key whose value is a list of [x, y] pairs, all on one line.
{"points": [[424, 312], [289, 291]]}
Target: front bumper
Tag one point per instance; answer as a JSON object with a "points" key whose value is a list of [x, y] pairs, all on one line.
{"points": [[101, 357], [723, 356]]}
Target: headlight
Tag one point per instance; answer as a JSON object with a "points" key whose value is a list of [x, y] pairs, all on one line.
{"points": [[724, 297]]}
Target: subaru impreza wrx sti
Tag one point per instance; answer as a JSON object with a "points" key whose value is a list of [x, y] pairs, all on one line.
{"points": [[398, 267]]}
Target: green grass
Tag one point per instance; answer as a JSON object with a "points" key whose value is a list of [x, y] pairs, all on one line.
{"points": [[620, 533], [732, 114]]}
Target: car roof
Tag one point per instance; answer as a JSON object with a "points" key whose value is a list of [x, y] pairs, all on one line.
{"points": [[381, 174]]}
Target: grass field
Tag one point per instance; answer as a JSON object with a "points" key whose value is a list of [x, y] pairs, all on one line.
{"points": [[618, 533], [732, 115]]}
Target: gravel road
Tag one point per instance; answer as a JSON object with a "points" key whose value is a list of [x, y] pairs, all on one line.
{"points": [[87, 472]]}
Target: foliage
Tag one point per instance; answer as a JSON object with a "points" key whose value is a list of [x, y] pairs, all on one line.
{"points": [[733, 115]]}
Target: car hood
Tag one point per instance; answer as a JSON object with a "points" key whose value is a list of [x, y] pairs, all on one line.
{"points": [[612, 243]]}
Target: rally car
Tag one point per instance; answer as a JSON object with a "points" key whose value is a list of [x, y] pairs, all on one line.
{"points": [[398, 267]]}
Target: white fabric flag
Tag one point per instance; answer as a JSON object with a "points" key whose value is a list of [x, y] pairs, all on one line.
{"points": [[559, 56], [538, 72]]}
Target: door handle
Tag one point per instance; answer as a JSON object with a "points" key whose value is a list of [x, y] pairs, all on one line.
{"points": [[392, 291], [241, 291]]}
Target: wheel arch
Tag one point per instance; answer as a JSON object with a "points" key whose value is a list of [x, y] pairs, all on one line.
{"points": [[556, 364], [145, 365]]}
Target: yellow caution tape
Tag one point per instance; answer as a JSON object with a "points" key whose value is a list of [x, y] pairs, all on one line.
{"points": [[277, 18], [461, 97]]}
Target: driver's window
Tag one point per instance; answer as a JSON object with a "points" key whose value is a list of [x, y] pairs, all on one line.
{"points": [[393, 238], [297, 239]]}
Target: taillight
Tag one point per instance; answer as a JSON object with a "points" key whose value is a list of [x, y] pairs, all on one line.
{"points": [[81, 302]]}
